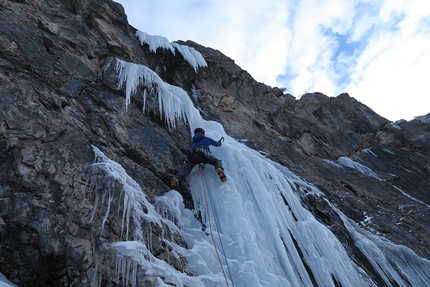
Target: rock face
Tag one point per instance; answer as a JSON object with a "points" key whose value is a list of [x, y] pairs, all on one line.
{"points": [[59, 96]]}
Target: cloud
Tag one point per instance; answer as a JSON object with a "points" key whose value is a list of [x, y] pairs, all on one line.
{"points": [[374, 50], [310, 55], [391, 73]]}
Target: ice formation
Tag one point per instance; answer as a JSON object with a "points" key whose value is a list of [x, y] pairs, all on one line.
{"points": [[264, 234], [189, 53]]}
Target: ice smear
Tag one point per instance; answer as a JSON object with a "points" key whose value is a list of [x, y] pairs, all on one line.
{"points": [[189, 53], [4, 282], [396, 264], [345, 161], [411, 197], [368, 150], [332, 163], [388, 151]]}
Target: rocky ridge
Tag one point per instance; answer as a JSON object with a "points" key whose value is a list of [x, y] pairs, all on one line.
{"points": [[59, 96]]}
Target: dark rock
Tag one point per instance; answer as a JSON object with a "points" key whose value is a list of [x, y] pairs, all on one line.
{"points": [[59, 96]]}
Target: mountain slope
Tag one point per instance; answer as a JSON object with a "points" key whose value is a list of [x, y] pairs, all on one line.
{"points": [[60, 95]]}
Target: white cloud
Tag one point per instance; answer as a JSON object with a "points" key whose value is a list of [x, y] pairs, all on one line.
{"points": [[391, 75], [295, 44]]}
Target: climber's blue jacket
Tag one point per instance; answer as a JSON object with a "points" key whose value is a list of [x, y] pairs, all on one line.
{"points": [[199, 140]]}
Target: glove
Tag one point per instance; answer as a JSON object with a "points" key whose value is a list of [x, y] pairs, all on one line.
{"points": [[220, 142]]}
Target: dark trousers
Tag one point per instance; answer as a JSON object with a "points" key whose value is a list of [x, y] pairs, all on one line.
{"points": [[194, 159]]}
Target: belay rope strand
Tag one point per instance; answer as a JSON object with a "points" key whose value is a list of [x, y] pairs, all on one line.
{"points": [[204, 183], [218, 231]]}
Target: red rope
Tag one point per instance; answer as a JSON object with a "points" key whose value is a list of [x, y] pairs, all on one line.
{"points": [[210, 227]]}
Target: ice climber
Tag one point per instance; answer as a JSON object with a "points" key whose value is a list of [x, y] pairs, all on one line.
{"points": [[199, 153]]}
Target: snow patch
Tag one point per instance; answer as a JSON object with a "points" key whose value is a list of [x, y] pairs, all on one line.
{"points": [[345, 161], [425, 119], [395, 125], [367, 220], [332, 163]]}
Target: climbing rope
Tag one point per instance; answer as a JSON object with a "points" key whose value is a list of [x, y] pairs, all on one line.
{"points": [[218, 229], [204, 183]]}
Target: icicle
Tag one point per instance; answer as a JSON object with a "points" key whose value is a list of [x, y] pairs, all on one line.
{"points": [[107, 210], [121, 271], [190, 54], [145, 93], [134, 275], [96, 201], [154, 42], [125, 216], [174, 103], [126, 273], [115, 181], [97, 278], [149, 238], [119, 200]]}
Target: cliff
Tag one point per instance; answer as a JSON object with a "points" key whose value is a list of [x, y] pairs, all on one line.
{"points": [[60, 97]]}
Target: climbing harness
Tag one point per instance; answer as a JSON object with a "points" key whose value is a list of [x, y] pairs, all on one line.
{"points": [[204, 183]]}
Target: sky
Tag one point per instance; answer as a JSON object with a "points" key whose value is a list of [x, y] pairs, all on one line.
{"points": [[377, 51]]}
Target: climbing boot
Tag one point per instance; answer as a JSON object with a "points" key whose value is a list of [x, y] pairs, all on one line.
{"points": [[174, 183], [221, 174]]}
